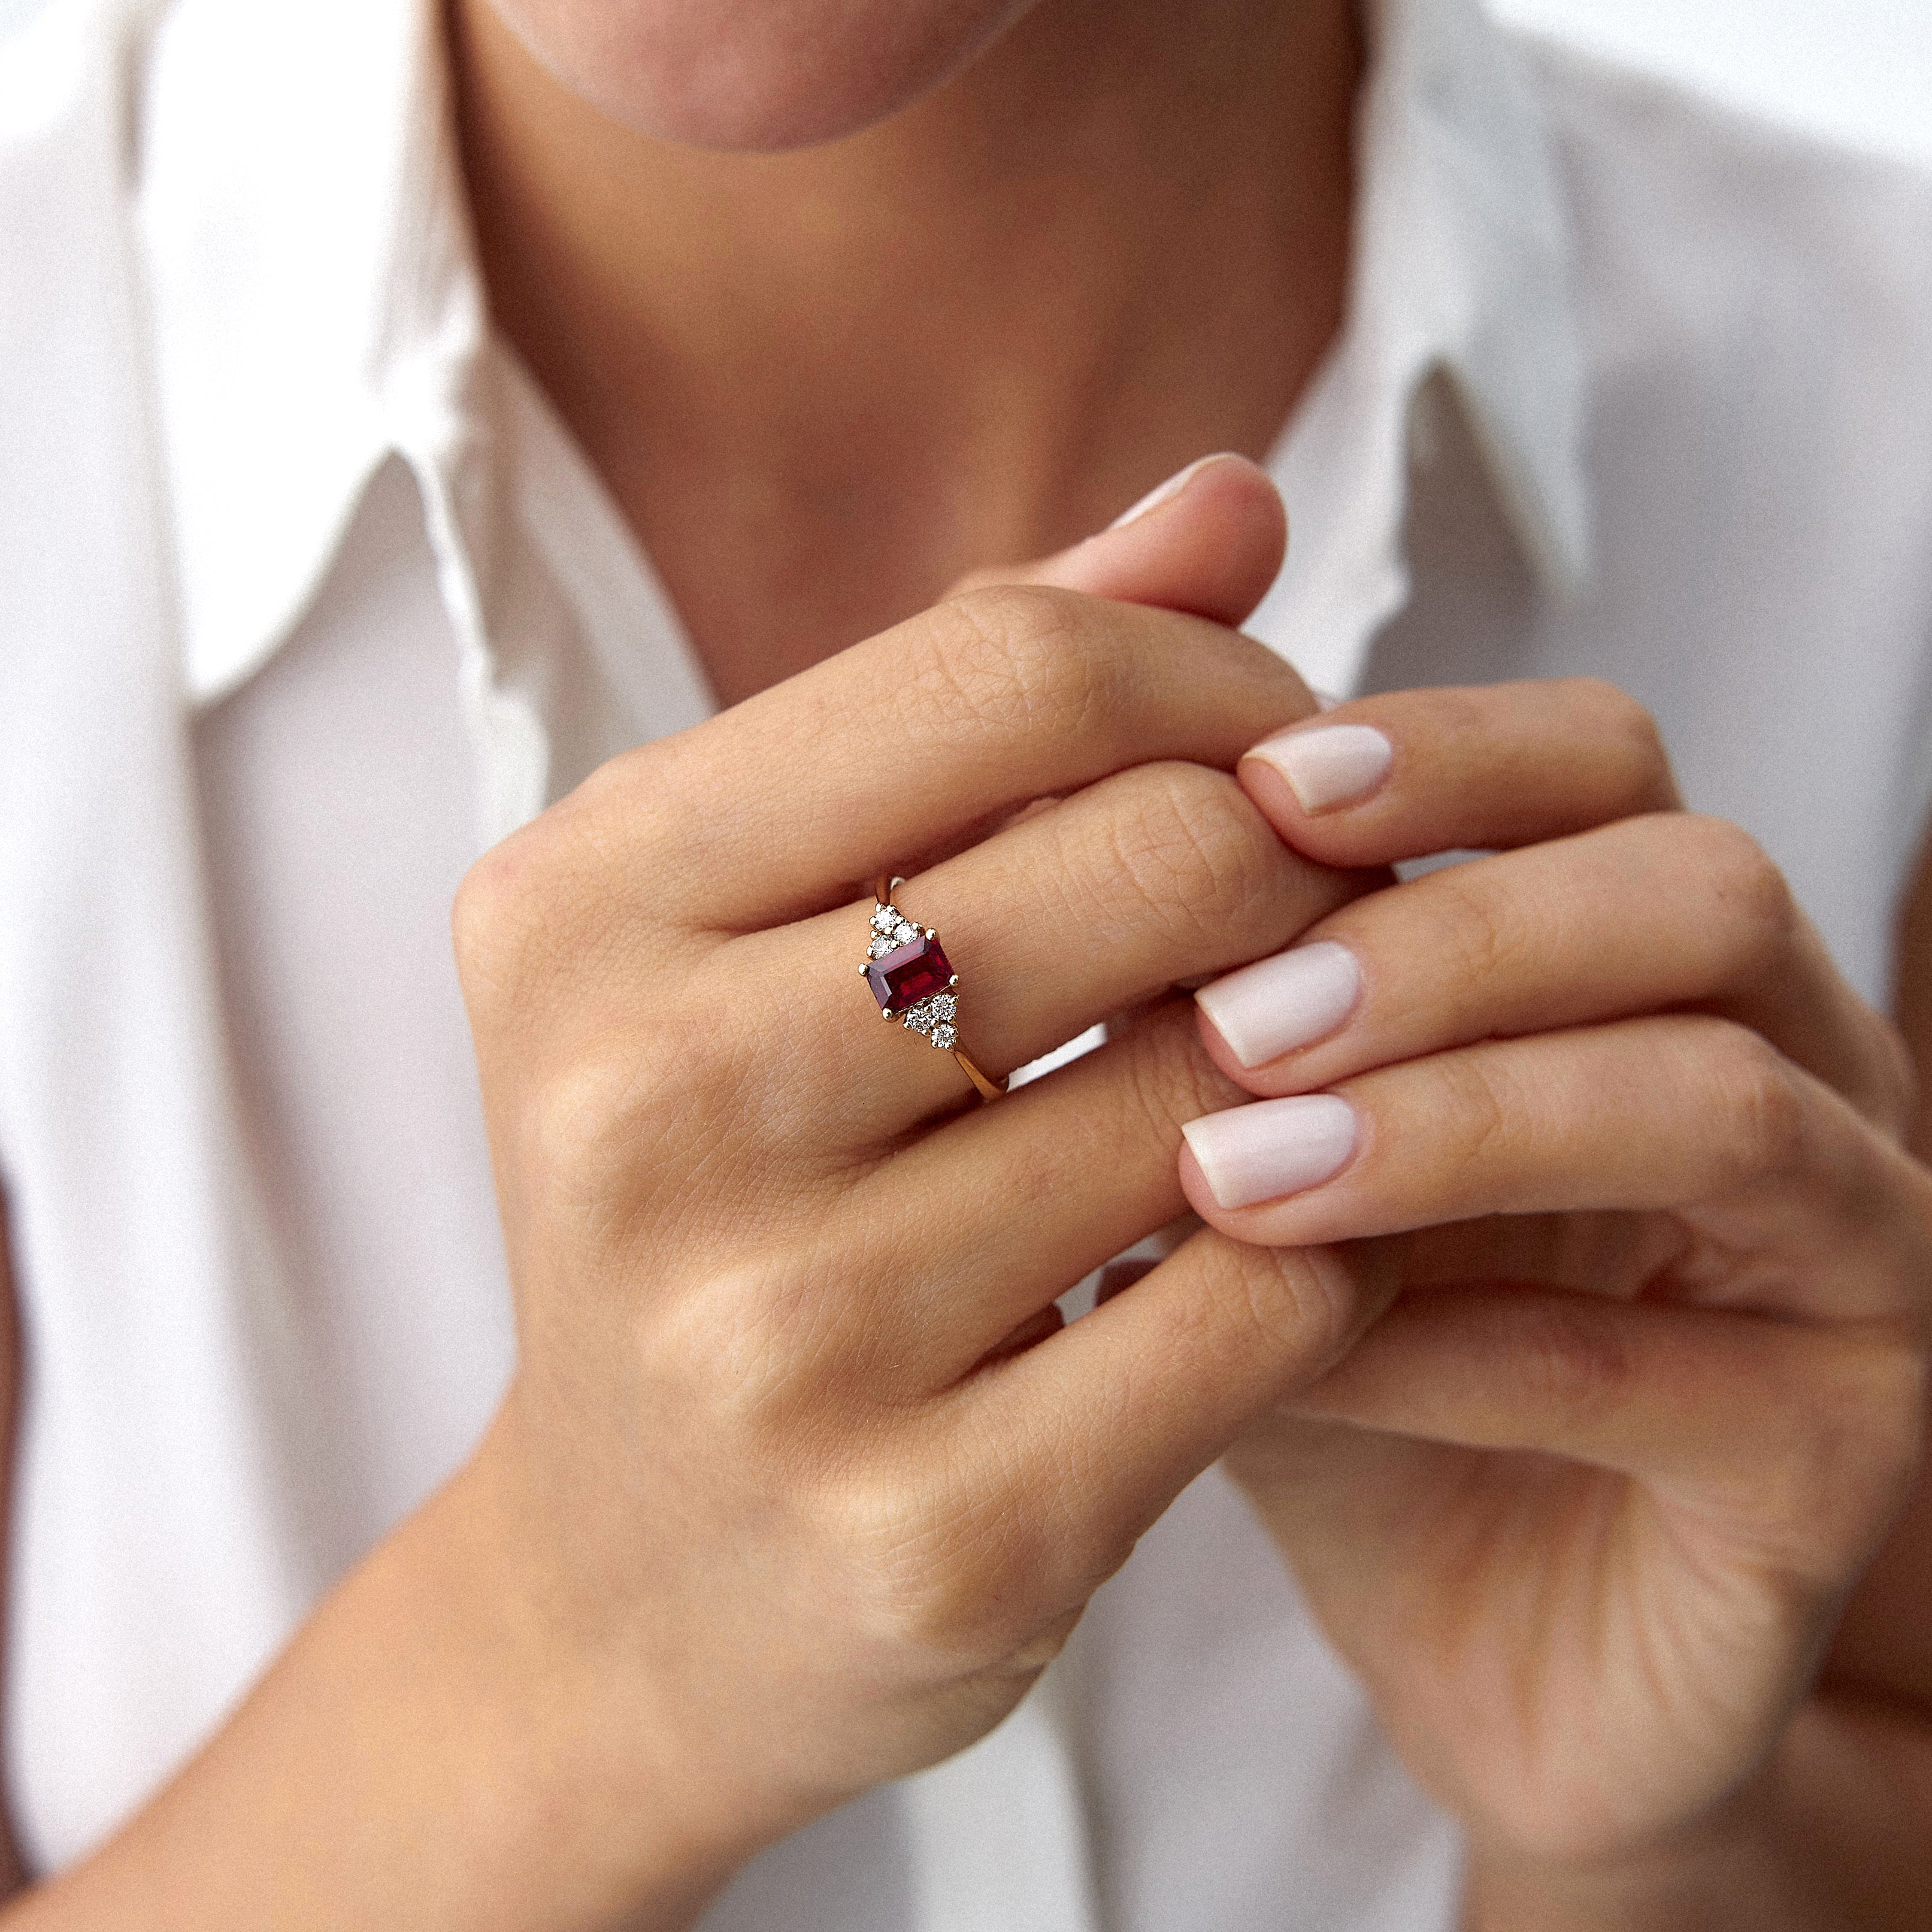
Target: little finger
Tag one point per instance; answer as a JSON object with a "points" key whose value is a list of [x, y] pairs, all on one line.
{"points": [[981, 1226], [1103, 1424], [1806, 1436]]}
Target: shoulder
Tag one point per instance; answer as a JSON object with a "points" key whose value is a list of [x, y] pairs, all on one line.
{"points": [[66, 78], [71, 364], [66, 116], [1707, 238], [1754, 310], [1753, 319]]}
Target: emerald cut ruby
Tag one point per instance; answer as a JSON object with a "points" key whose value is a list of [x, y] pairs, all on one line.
{"points": [[910, 974]]}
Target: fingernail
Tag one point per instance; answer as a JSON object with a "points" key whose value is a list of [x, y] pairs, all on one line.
{"points": [[1297, 996], [1272, 1147], [1166, 492], [1330, 765]]}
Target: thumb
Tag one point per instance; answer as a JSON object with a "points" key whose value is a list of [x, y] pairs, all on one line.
{"points": [[1209, 541]]}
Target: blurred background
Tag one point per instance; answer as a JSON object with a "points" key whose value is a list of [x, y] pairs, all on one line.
{"points": [[1857, 70]]}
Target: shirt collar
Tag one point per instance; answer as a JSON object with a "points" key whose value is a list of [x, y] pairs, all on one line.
{"points": [[317, 306], [1467, 242], [1463, 268], [314, 302]]}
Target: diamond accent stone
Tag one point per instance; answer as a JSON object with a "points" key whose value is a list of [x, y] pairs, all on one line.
{"points": [[905, 933], [882, 943], [921, 1017], [886, 919], [943, 1035], [943, 1005]]}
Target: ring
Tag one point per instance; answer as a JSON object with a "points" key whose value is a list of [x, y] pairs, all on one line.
{"points": [[914, 983]]}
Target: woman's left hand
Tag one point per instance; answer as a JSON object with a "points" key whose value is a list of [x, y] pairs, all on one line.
{"points": [[1583, 1508]]}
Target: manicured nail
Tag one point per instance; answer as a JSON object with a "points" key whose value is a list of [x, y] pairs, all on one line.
{"points": [[1272, 1147], [1298, 996], [1166, 492], [1330, 765]]}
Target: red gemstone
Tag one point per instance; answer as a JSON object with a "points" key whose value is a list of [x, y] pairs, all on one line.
{"points": [[913, 972]]}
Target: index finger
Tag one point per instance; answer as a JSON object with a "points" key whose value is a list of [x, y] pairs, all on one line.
{"points": [[911, 745], [1408, 774]]}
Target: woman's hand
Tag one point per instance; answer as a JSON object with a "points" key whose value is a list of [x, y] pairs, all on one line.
{"points": [[1583, 1507], [798, 1484], [801, 1484]]}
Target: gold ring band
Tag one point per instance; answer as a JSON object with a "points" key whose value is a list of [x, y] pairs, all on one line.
{"points": [[914, 982]]}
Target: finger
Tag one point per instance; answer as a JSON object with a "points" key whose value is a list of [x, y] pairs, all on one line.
{"points": [[1790, 1200], [913, 743], [1803, 1433], [1669, 910], [1106, 1422], [1209, 541], [1163, 873], [1414, 772], [1001, 1212]]}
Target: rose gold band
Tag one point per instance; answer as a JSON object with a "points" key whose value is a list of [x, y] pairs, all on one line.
{"points": [[989, 1090]]}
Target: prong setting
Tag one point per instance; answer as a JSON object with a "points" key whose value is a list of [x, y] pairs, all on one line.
{"points": [[911, 977], [914, 982]]}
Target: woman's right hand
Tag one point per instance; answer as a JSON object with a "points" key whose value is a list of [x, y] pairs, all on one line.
{"points": [[801, 1482]]}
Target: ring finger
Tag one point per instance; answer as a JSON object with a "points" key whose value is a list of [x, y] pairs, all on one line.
{"points": [[1155, 876]]}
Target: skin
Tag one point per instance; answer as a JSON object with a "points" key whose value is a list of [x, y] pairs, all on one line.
{"points": [[1585, 1507], [967, 335], [1665, 1386]]}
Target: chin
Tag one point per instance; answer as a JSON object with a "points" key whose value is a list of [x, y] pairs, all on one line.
{"points": [[755, 76]]}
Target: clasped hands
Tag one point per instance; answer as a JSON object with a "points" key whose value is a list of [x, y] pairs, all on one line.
{"points": [[1561, 1302]]}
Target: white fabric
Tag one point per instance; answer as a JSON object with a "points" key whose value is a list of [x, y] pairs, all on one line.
{"points": [[305, 597], [1018, 1790]]}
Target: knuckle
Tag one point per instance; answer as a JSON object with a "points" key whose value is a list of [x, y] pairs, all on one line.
{"points": [[585, 1130], [932, 1566], [1477, 1109], [544, 897], [1483, 944], [1759, 1103], [752, 1346], [1301, 1304], [1623, 721], [497, 914], [1742, 878], [1574, 1366], [1015, 658], [1189, 850]]}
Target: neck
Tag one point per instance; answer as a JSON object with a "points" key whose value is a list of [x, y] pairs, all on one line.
{"points": [[822, 384]]}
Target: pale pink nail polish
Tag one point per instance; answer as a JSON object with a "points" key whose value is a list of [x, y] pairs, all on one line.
{"points": [[1272, 1147], [1329, 765], [1265, 1010], [1166, 492]]}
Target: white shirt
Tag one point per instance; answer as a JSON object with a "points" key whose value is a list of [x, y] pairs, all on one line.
{"points": [[305, 598]]}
